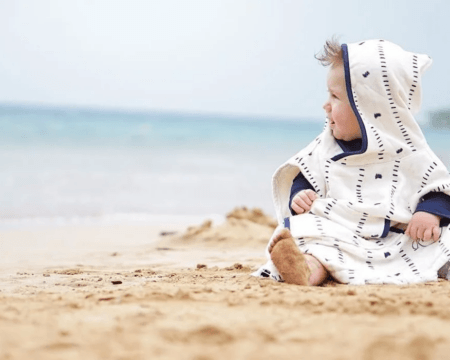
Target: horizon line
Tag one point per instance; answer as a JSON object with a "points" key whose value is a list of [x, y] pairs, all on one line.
{"points": [[123, 110]]}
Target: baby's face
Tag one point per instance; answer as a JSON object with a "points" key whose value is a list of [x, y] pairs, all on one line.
{"points": [[342, 119]]}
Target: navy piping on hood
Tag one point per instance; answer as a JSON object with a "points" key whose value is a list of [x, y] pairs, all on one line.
{"points": [[348, 85]]}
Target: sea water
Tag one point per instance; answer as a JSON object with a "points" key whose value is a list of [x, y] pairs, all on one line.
{"points": [[60, 166]]}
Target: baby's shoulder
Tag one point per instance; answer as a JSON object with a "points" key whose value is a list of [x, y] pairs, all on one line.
{"points": [[323, 146]]}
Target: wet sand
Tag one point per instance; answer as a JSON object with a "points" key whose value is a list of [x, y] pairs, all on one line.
{"points": [[129, 292]]}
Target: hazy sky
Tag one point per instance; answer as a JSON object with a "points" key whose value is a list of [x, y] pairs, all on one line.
{"points": [[250, 57]]}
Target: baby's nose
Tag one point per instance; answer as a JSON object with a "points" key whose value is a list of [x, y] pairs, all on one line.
{"points": [[326, 105]]}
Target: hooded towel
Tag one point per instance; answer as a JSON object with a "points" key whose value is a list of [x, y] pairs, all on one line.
{"points": [[363, 193]]}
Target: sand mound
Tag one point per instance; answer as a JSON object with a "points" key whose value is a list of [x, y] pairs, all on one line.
{"points": [[256, 215], [243, 228]]}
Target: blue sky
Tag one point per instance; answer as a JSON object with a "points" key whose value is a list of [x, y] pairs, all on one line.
{"points": [[237, 57]]}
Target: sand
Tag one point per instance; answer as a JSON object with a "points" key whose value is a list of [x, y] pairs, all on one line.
{"points": [[129, 292]]}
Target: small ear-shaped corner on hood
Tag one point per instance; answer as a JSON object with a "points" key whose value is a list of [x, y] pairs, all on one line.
{"points": [[424, 62]]}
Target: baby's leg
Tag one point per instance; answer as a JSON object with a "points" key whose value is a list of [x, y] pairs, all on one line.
{"points": [[295, 267]]}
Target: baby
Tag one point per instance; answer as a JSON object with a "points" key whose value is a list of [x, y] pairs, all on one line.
{"points": [[367, 201]]}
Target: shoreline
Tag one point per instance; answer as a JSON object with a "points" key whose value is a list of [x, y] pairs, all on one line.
{"points": [[39, 222], [122, 240]]}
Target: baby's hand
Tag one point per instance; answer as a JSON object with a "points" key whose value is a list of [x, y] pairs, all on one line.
{"points": [[301, 203], [424, 226]]}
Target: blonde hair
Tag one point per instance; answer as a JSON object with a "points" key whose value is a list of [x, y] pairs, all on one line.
{"points": [[331, 53]]}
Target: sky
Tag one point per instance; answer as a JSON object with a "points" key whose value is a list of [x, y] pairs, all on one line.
{"points": [[231, 57]]}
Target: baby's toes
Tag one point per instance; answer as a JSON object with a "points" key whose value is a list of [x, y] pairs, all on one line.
{"points": [[283, 234]]}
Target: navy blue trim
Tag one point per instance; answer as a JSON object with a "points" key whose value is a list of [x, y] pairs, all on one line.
{"points": [[436, 203], [398, 231], [387, 225], [352, 145], [287, 223], [348, 84]]}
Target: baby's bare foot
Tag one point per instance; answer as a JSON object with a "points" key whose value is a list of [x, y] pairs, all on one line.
{"points": [[288, 259], [284, 234]]}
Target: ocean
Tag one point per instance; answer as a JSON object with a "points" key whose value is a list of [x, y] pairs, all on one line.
{"points": [[70, 166]]}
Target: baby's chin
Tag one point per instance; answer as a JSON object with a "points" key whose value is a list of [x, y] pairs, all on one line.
{"points": [[344, 137]]}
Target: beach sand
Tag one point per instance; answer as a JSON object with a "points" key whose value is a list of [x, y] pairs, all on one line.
{"points": [[167, 292]]}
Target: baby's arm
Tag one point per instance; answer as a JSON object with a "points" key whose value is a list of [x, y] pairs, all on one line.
{"points": [[431, 212], [302, 195], [301, 203], [424, 226]]}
